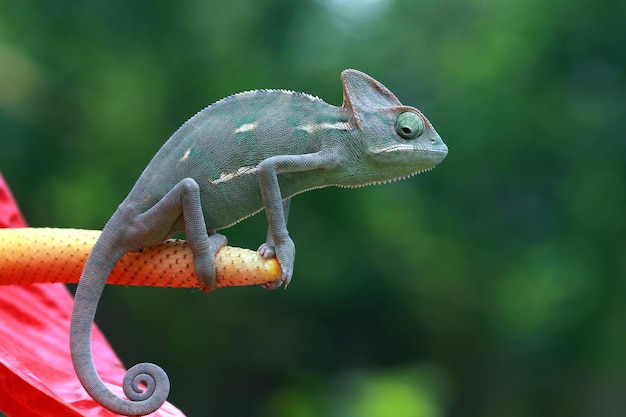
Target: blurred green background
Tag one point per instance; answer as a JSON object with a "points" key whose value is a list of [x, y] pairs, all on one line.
{"points": [[491, 286]]}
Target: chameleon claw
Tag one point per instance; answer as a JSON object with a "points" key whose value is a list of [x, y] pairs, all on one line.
{"points": [[272, 285], [276, 284]]}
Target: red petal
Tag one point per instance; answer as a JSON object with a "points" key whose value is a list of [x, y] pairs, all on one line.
{"points": [[36, 373]]}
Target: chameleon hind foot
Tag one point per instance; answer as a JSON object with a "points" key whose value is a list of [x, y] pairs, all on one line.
{"points": [[204, 262]]}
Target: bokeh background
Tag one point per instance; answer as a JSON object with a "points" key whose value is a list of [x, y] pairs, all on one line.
{"points": [[494, 285]]}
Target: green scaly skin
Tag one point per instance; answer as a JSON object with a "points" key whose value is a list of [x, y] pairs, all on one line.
{"points": [[249, 152]]}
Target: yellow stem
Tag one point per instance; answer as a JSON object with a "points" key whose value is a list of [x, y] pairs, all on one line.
{"points": [[44, 255]]}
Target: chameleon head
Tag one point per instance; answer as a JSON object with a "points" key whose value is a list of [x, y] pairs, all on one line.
{"points": [[397, 141]]}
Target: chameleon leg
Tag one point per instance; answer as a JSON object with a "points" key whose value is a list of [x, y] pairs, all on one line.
{"points": [[267, 249], [126, 230], [274, 204], [204, 244]]}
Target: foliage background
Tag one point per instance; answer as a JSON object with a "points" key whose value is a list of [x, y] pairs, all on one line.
{"points": [[492, 286]]}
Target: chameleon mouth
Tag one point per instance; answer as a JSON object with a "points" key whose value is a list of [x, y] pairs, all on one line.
{"points": [[404, 147], [388, 180]]}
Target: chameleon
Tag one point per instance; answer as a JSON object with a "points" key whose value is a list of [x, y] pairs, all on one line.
{"points": [[248, 152]]}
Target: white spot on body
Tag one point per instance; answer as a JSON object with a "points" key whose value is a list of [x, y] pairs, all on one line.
{"points": [[225, 177], [313, 127], [185, 155], [246, 127]]}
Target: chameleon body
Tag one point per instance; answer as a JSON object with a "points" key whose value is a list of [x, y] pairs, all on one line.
{"points": [[248, 152]]}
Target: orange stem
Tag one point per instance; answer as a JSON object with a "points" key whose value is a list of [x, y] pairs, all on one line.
{"points": [[44, 255]]}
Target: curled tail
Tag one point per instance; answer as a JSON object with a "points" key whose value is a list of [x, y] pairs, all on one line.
{"points": [[146, 385]]}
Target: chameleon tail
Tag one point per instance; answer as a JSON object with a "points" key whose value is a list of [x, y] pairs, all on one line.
{"points": [[142, 400]]}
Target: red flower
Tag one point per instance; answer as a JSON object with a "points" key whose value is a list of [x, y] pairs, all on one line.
{"points": [[36, 373]]}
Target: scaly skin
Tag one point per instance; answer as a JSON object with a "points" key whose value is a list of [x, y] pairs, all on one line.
{"points": [[246, 153]]}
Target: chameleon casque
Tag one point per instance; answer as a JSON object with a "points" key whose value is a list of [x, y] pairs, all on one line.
{"points": [[248, 152]]}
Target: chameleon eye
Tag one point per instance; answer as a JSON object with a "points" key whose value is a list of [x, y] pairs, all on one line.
{"points": [[409, 125]]}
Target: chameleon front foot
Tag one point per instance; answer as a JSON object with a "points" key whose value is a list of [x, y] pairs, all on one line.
{"points": [[285, 254]]}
